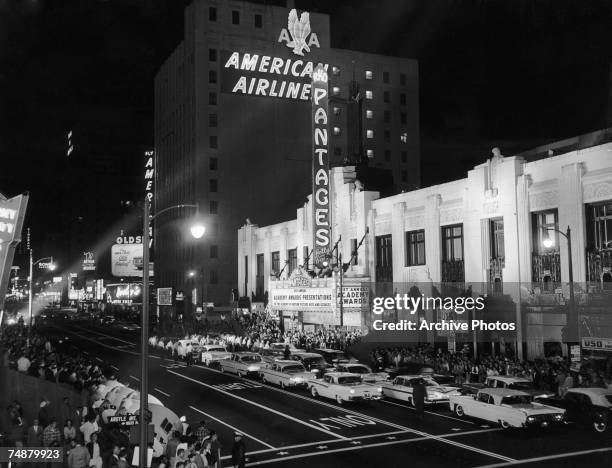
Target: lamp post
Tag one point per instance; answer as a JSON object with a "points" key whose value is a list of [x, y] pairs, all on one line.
{"points": [[51, 267], [197, 231], [572, 317]]}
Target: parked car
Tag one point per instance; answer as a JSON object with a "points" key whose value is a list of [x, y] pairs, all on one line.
{"points": [[313, 362], [366, 373], [515, 383], [107, 319], [213, 354], [585, 407], [506, 407], [332, 356], [242, 364], [285, 374], [343, 386], [401, 388]]}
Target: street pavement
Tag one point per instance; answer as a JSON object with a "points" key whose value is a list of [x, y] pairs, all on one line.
{"points": [[291, 428]]}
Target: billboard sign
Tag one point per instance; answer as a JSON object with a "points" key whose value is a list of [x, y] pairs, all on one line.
{"points": [[89, 262], [320, 167], [597, 344], [126, 261], [302, 299]]}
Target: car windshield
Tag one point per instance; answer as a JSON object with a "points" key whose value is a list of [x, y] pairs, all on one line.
{"points": [[293, 369], [521, 386], [314, 360], [335, 355], [349, 380], [218, 348], [516, 400], [253, 358], [358, 369], [609, 398]]}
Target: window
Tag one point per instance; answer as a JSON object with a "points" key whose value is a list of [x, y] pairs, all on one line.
{"points": [[387, 117], [292, 258], [212, 120], [404, 137], [403, 118], [337, 131], [599, 226], [214, 207], [384, 258], [305, 253], [415, 248], [214, 277], [216, 229], [235, 17], [388, 155], [403, 99], [497, 238], [276, 262], [354, 252], [403, 79], [386, 96], [212, 99], [368, 75], [212, 76], [335, 71], [370, 153], [387, 135], [452, 243], [213, 141], [214, 251], [404, 156], [386, 77], [335, 90], [544, 224], [258, 21], [212, 14], [369, 133], [214, 185], [213, 164], [369, 94], [337, 110], [212, 55], [259, 280], [369, 114], [404, 176]]}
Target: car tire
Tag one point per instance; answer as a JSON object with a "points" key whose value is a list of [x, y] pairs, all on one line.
{"points": [[282, 385], [339, 400], [459, 411], [600, 427], [313, 392], [504, 424]]}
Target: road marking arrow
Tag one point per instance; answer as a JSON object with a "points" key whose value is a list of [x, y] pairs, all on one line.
{"points": [[455, 429], [485, 426], [355, 442], [282, 453], [321, 447], [391, 438]]}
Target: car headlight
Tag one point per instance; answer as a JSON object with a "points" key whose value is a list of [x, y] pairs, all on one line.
{"points": [[531, 418], [558, 417], [379, 389], [352, 390]]}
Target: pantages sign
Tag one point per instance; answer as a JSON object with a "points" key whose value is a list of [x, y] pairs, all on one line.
{"points": [[320, 168], [265, 75]]}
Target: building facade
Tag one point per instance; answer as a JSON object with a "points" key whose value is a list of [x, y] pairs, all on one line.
{"points": [[233, 131], [487, 231]]}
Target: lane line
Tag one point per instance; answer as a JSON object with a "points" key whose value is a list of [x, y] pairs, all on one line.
{"points": [[161, 391], [548, 457], [286, 416], [428, 412], [358, 447], [104, 334], [135, 378], [271, 447], [381, 421]]}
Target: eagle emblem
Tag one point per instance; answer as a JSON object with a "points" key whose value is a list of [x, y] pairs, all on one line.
{"points": [[299, 30]]}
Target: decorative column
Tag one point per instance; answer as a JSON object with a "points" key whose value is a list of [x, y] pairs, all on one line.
{"points": [[370, 244], [398, 242], [523, 219], [433, 237], [284, 233], [571, 213]]}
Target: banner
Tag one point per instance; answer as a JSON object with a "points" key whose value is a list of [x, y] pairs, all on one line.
{"points": [[355, 297], [320, 168], [597, 344], [12, 213], [126, 261], [294, 299]]}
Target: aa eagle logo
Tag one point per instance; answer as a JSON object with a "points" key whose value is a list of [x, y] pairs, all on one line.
{"points": [[296, 36]]}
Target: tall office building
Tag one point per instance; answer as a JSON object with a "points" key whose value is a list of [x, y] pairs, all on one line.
{"points": [[233, 129]]}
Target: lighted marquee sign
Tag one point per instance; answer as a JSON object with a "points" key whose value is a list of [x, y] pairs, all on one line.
{"points": [[298, 36], [302, 299], [89, 262], [320, 167], [149, 178], [12, 213]]}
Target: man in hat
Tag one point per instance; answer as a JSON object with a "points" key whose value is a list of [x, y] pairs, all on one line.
{"points": [[34, 437], [238, 451]]}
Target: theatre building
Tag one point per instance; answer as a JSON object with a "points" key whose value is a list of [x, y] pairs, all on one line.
{"points": [[492, 230], [233, 129]]}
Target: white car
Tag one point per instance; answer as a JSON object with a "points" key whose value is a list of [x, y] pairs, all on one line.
{"points": [[213, 354], [367, 376], [506, 407], [186, 346], [343, 386], [242, 364], [285, 374], [515, 383], [402, 386]]}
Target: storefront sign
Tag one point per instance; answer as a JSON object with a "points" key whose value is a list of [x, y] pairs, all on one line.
{"points": [[129, 240], [164, 296], [89, 263], [597, 344], [355, 297], [125, 293], [320, 168], [302, 299], [149, 178]]}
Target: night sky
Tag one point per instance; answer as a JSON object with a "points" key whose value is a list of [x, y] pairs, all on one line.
{"points": [[513, 74]]}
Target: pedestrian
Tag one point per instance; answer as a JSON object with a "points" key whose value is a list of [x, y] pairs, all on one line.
{"points": [[89, 426], [34, 436], [43, 413], [215, 450], [189, 358], [112, 460], [78, 457], [418, 398], [122, 463], [201, 432], [185, 427], [51, 433], [69, 432], [238, 451], [95, 454]]}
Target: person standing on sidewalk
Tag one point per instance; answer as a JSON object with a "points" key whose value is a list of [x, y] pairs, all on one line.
{"points": [[238, 451]]}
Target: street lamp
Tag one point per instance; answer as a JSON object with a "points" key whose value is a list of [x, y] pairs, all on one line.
{"points": [[51, 267], [197, 231], [572, 318]]}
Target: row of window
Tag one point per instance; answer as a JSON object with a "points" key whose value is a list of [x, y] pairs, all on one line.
{"points": [[257, 18], [386, 116], [369, 75], [452, 245]]}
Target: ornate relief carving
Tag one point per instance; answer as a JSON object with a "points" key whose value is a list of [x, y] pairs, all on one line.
{"points": [[543, 200], [450, 216], [415, 221], [598, 191], [491, 207]]}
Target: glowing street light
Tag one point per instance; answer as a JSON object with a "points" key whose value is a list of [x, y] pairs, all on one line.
{"points": [[197, 230]]}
